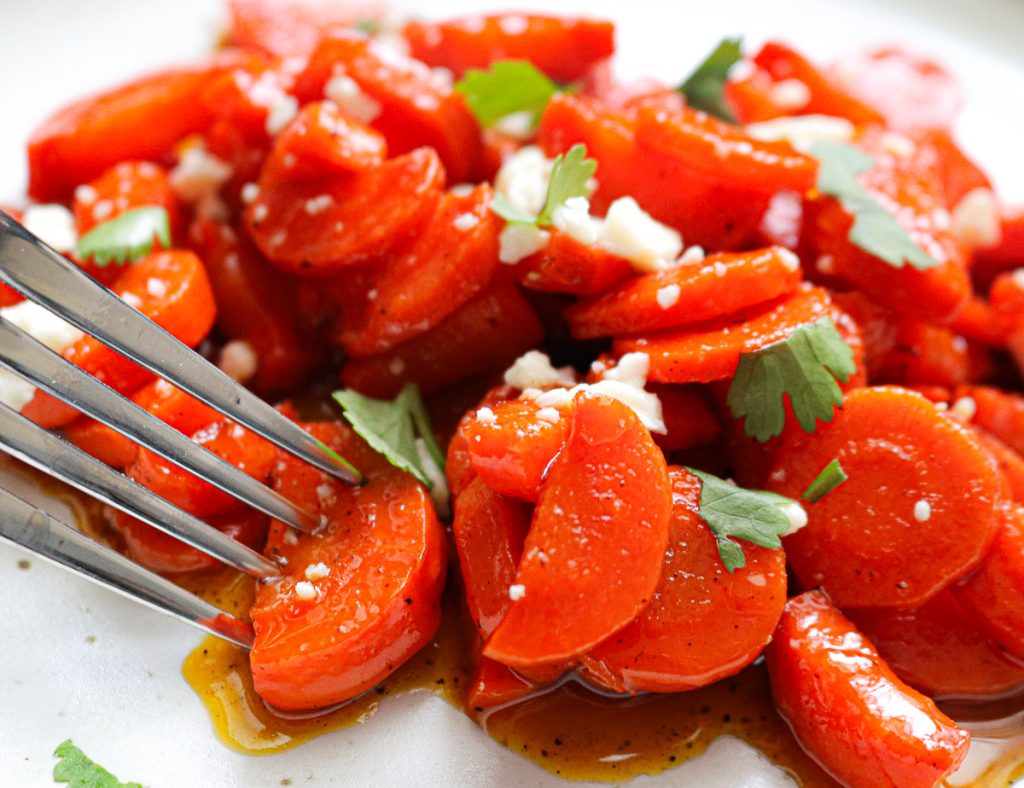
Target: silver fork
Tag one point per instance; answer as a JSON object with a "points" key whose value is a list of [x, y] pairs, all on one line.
{"points": [[44, 276]]}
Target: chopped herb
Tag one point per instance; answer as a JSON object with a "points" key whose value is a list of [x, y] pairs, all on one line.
{"points": [[703, 89], [569, 177], [732, 513], [78, 771], [509, 87], [831, 476], [126, 238], [806, 366], [874, 229], [392, 428]]}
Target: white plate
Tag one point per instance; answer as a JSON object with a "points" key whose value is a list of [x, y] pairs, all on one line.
{"points": [[79, 662]]}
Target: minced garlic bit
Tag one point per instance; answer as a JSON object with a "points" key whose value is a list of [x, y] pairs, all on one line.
{"points": [[516, 591], [922, 511], [317, 571], [305, 590]]}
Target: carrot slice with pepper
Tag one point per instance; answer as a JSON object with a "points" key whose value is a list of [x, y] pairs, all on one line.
{"points": [[917, 511], [376, 599], [701, 354], [609, 487], [721, 285], [939, 650], [703, 623], [848, 709], [564, 48]]}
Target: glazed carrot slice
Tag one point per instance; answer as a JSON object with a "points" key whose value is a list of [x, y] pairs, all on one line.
{"points": [[489, 332], [489, 532], [366, 214], [994, 594], [924, 354], [706, 353], [999, 412], [979, 322], [608, 488], [458, 466], [848, 709], [689, 419], [128, 185], [172, 289], [564, 48], [716, 288], [917, 511], [378, 603], [567, 266], [703, 624], [1008, 461], [451, 261], [163, 553], [511, 447], [243, 449], [939, 650], [493, 684]]}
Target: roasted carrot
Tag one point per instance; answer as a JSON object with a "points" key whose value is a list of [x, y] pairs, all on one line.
{"points": [[567, 266], [493, 684], [458, 467]]}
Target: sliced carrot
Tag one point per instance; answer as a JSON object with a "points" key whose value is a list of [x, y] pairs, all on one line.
{"points": [[493, 684], [980, 323], [847, 708], [1009, 463], [938, 650], [994, 594], [608, 487], [564, 48], [128, 185], [689, 419], [924, 354], [567, 266], [489, 532], [379, 602], [716, 288], [706, 353], [367, 214], [458, 466], [514, 447], [291, 27], [917, 512], [999, 412], [703, 623], [489, 332], [453, 258], [958, 174]]}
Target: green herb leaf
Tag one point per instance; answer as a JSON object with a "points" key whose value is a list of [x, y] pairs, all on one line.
{"points": [[732, 513], [509, 86], [569, 176], [831, 476], [806, 366], [392, 427], [874, 229], [126, 238], [509, 212], [76, 769], [704, 88]]}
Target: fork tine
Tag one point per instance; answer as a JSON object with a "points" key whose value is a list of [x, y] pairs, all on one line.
{"points": [[30, 443], [36, 531], [41, 274], [35, 362]]}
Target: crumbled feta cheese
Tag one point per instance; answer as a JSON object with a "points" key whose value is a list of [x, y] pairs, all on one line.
{"points": [[15, 392], [199, 175], [573, 218], [317, 571], [976, 219], [102, 209], [630, 232], [803, 131], [550, 415], [897, 144], [41, 324], [796, 514], [922, 511], [318, 204], [825, 264], [350, 98], [282, 112], [465, 222], [523, 179], [533, 370], [789, 260], [518, 241], [514, 24], [668, 296], [239, 360], [290, 537], [964, 409], [1018, 277], [520, 126], [305, 590], [462, 189], [156, 287], [694, 255], [53, 224], [260, 212], [486, 416], [86, 194], [516, 591], [791, 94], [250, 193]]}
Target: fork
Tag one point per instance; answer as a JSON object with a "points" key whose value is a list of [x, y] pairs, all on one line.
{"points": [[44, 276]]}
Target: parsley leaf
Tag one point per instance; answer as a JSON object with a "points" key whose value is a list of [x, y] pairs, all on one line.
{"points": [[731, 512], [76, 769], [703, 89], [831, 476], [126, 238], [874, 229], [509, 86], [393, 427], [569, 177], [805, 366]]}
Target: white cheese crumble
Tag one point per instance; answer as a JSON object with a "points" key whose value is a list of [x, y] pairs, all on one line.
{"points": [[250, 193], [533, 370], [1018, 277], [573, 218], [465, 222], [317, 571], [826, 264], [791, 94], [668, 296], [281, 113], [550, 415], [318, 204], [86, 194], [102, 209], [516, 591], [789, 260], [520, 126], [796, 515], [964, 409], [350, 98], [803, 131], [53, 224], [897, 144], [518, 241], [239, 360], [305, 590], [631, 232], [976, 219], [523, 179], [694, 255], [486, 416], [199, 175], [922, 511]]}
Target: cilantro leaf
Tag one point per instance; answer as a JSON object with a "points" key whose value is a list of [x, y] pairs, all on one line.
{"points": [[78, 771], [509, 86], [831, 476], [703, 89], [126, 238], [874, 229], [569, 176], [806, 366], [391, 428], [502, 206], [732, 513]]}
